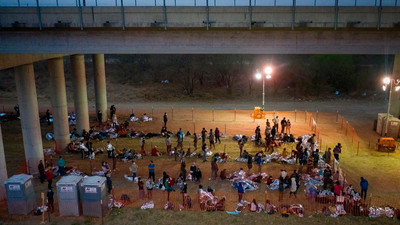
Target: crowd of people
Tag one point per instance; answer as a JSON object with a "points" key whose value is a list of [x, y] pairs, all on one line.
{"points": [[306, 154]]}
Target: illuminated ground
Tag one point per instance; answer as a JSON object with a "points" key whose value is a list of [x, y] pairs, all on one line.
{"points": [[379, 168]]}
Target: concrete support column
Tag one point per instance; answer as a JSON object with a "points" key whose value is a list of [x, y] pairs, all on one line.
{"points": [[395, 103], [58, 96], [80, 92], [3, 169], [100, 85], [29, 114]]}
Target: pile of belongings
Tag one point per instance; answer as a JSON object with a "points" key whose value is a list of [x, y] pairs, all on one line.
{"points": [[337, 210], [296, 209], [254, 207], [112, 203], [209, 202], [48, 151], [147, 205], [378, 211], [308, 180], [74, 171], [306, 144], [275, 185], [169, 206], [276, 156], [248, 185], [239, 208]]}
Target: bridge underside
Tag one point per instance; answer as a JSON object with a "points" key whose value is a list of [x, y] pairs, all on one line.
{"points": [[195, 41]]}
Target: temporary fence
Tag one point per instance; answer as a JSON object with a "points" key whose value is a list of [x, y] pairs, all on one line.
{"points": [[310, 204]]}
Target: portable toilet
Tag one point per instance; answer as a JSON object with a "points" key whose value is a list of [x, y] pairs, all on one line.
{"points": [[68, 195], [93, 196], [21, 197]]}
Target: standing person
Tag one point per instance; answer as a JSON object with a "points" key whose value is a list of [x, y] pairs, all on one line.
{"points": [[249, 163], [165, 118], [293, 187], [240, 190], [106, 168], [152, 171], [204, 149], [142, 143], [337, 150], [114, 160], [50, 200], [184, 193], [110, 149], [16, 108], [259, 161], [112, 111], [49, 177], [288, 126], [109, 183], [211, 137], [99, 116], [276, 123], [364, 187], [168, 144], [328, 156], [281, 188], [217, 135], [192, 170], [241, 145], [141, 188], [273, 132], [195, 139], [133, 168], [267, 130], [61, 165], [48, 116], [41, 171], [179, 135], [149, 187], [203, 135], [283, 125], [214, 169], [316, 158], [183, 171], [337, 189]]}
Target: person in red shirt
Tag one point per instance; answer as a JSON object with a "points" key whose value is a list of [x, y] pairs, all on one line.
{"points": [[217, 135], [141, 189], [337, 189], [49, 177]]}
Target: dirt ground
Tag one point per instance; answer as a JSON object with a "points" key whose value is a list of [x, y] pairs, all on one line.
{"points": [[380, 169]]}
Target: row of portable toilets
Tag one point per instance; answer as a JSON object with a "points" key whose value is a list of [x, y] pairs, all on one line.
{"points": [[76, 195]]}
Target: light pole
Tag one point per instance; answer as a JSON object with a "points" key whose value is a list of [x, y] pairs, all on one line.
{"points": [[268, 72], [387, 81]]}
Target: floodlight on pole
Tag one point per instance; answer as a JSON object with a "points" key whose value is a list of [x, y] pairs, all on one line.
{"points": [[258, 76], [388, 82], [268, 72]]}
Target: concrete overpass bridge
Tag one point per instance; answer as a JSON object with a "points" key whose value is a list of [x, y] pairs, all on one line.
{"points": [[31, 34]]}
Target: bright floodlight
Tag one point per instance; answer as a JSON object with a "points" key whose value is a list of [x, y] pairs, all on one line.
{"points": [[386, 80], [397, 88], [258, 76], [268, 70], [268, 76]]}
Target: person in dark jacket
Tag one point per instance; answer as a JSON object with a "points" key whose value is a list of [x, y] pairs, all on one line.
{"points": [[364, 187], [41, 172], [165, 119], [50, 200]]}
